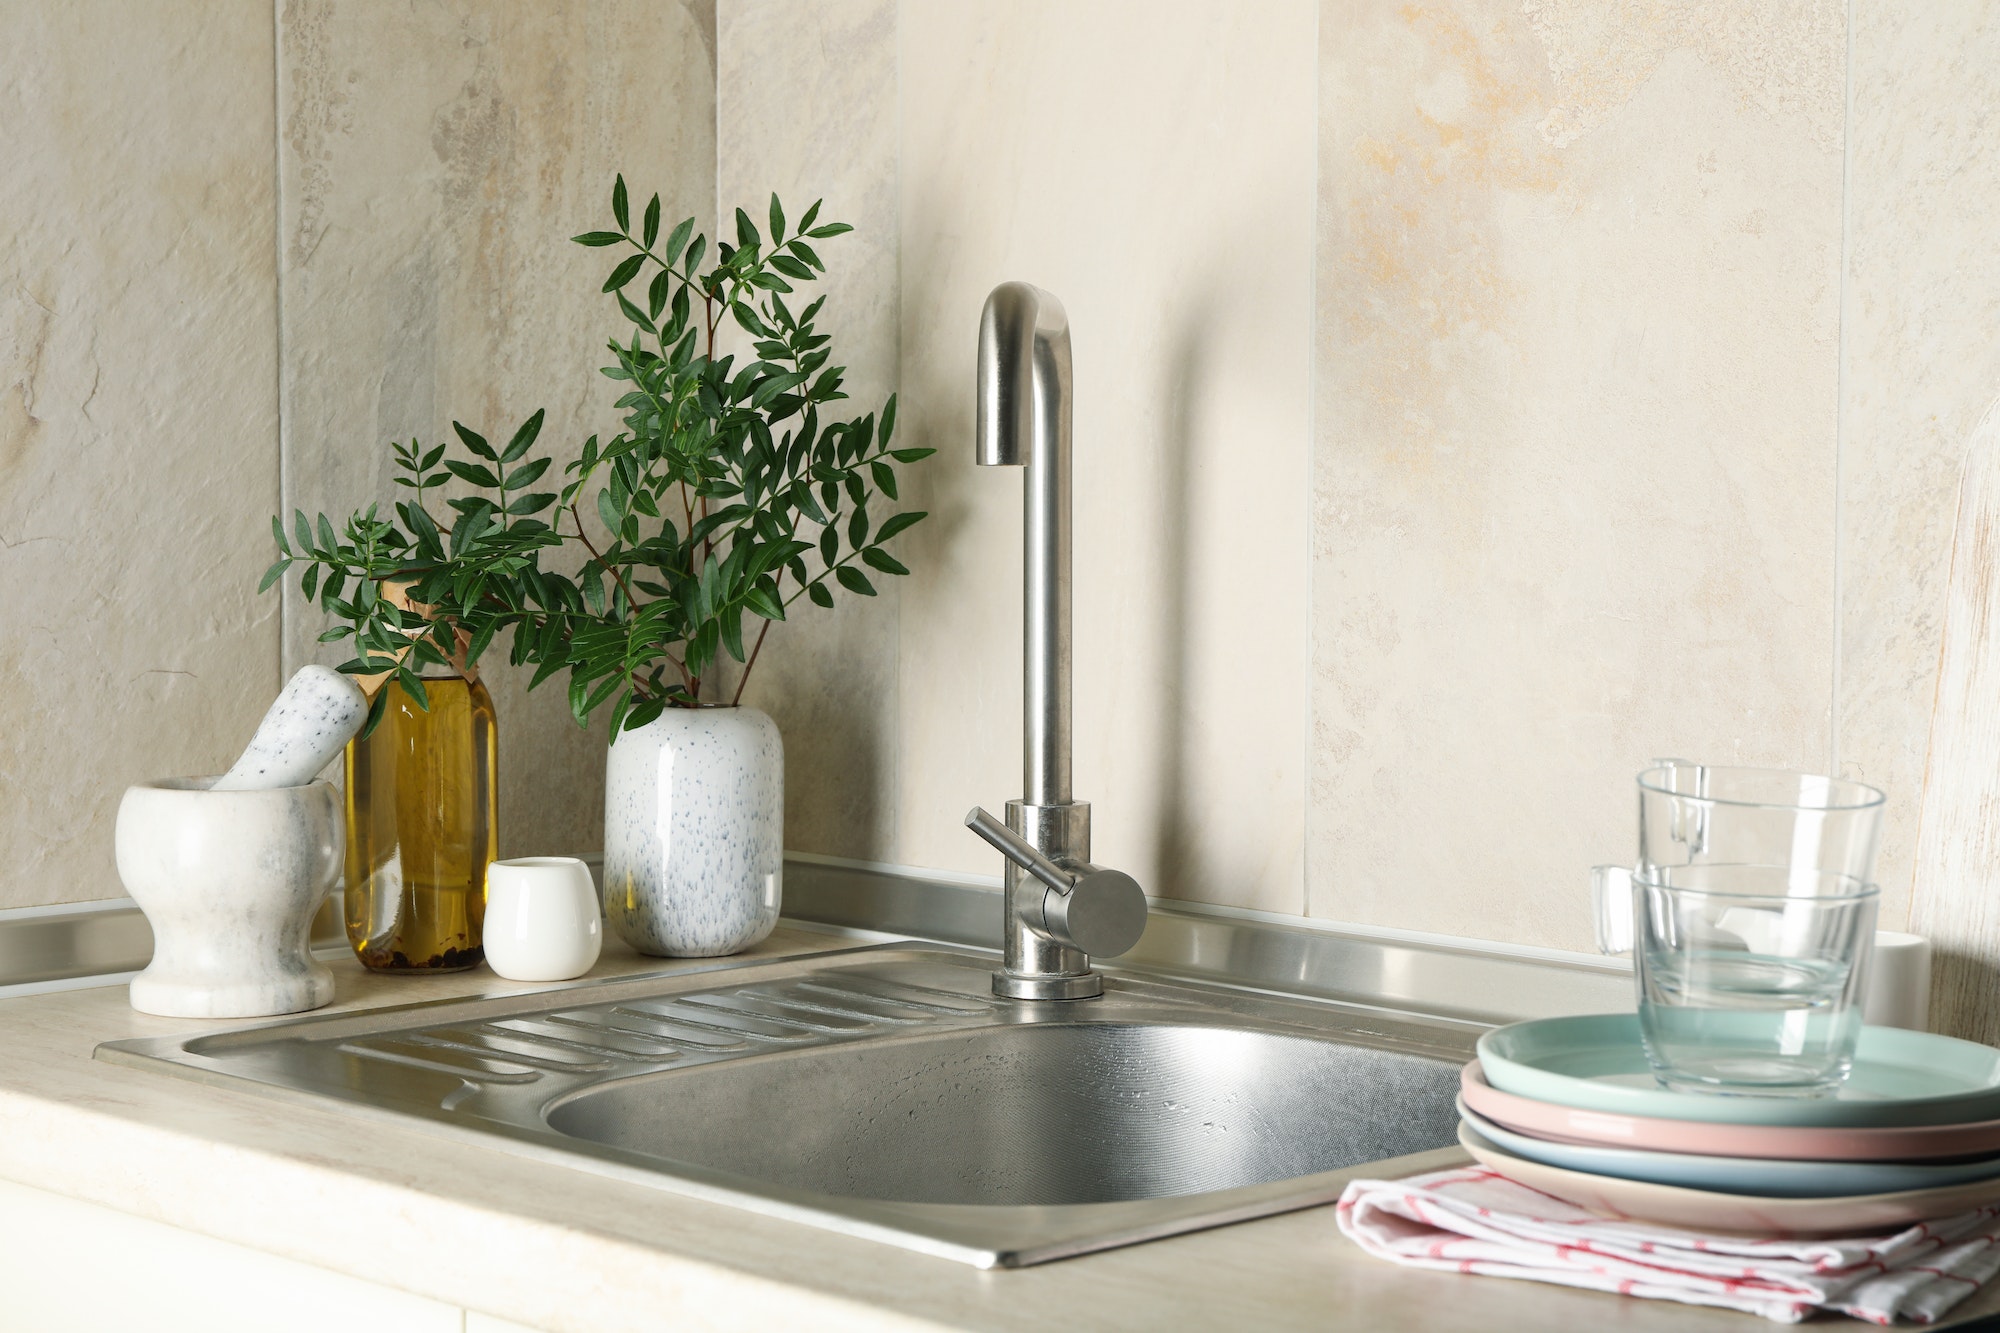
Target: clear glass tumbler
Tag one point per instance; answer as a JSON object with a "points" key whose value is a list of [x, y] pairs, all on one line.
{"points": [[1753, 909]]}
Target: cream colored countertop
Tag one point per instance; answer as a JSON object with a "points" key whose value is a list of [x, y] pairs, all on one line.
{"points": [[565, 1251]]}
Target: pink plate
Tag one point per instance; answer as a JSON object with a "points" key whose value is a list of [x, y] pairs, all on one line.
{"points": [[1745, 1214], [1565, 1124]]}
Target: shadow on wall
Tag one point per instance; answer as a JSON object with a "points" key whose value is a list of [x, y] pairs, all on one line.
{"points": [[1187, 365]]}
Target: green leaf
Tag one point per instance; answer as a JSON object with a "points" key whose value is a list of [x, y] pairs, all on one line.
{"points": [[732, 632], [895, 523], [777, 221], [857, 526], [854, 580], [636, 315], [805, 223], [523, 438], [473, 441], [802, 497], [877, 558], [476, 473], [910, 455], [677, 241], [480, 639], [619, 208], [608, 511], [414, 687], [275, 572], [830, 229], [888, 426], [601, 693], [599, 238], [550, 665], [302, 529], [695, 252], [805, 252], [530, 471], [532, 503], [652, 224], [701, 649], [885, 477], [821, 595], [746, 230], [376, 708], [624, 273], [278, 533], [764, 603], [422, 525], [656, 293], [791, 268], [326, 537]]}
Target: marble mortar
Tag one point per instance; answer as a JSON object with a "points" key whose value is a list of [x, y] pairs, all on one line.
{"points": [[230, 881]]}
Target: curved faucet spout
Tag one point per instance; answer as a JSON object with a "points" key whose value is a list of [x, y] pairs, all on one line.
{"points": [[1023, 376], [1024, 418]]}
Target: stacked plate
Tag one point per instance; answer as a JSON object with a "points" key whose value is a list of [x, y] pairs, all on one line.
{"points": [[1569, 1106]]}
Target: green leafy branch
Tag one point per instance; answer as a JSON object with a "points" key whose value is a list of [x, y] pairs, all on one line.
{"points": [[733, 489]]}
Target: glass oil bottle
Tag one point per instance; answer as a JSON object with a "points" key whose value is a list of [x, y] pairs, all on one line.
{"points": [[422, 821]]}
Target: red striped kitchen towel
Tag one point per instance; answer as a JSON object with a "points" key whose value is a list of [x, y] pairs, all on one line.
{"points": [[1472, 1220]]}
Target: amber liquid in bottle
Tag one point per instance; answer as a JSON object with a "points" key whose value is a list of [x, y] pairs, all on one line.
{"points": [[421, 815]]}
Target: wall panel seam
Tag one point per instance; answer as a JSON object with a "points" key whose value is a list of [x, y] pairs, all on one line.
{"points": [[278, 306], [1306, 812], [1840, 422]]}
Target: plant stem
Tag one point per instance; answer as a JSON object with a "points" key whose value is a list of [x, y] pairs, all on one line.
{"points": [[749, 666], [631, 602]]}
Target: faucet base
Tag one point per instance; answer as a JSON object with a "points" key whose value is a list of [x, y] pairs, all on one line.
{"points": [[1086, 987]]}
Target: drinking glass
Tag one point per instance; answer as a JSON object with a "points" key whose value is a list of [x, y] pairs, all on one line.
{"points": [[1751, 912]]}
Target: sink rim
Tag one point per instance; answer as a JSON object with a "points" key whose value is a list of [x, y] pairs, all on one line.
{"points": [[985, 1235]]}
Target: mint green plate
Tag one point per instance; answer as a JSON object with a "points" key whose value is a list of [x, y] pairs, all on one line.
{"points": [[1595, 1062]]}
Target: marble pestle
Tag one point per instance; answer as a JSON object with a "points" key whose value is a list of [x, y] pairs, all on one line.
{"points": [[319, 711]]}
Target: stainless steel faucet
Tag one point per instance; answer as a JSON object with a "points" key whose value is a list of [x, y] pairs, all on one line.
{"points": [[1060, 908]]}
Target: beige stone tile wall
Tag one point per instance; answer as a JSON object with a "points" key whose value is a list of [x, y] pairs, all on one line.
{"points": [[138, 415], [1577, 355], [1474, 399], [1922, 321], [435, 160], [806, 107], [1151, 165]]}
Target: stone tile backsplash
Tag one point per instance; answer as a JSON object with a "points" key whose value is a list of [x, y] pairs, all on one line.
{"points": [[1577, 375], [1474, 398]]}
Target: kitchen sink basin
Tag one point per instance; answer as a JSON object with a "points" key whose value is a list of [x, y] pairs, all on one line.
{"points": [[885, 1092]]}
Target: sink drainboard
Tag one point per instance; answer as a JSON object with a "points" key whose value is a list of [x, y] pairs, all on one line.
{"points": [[884, 1092]]}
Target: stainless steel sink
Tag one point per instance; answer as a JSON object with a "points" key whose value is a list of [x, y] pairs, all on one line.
{"points": [[886, 1092]]}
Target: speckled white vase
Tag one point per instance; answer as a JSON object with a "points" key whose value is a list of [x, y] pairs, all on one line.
{"points": [[694, 832], [229, 881]]}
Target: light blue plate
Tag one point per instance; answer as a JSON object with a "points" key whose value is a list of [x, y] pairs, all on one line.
{"points": [[1595, 1062], [1736, 1175]]}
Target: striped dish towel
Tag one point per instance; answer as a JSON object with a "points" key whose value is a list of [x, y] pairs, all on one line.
{"points": [[1472, 1220]]}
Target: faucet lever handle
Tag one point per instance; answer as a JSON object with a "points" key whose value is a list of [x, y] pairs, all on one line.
{"points": [[1100, 911], [1019, 850]]}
